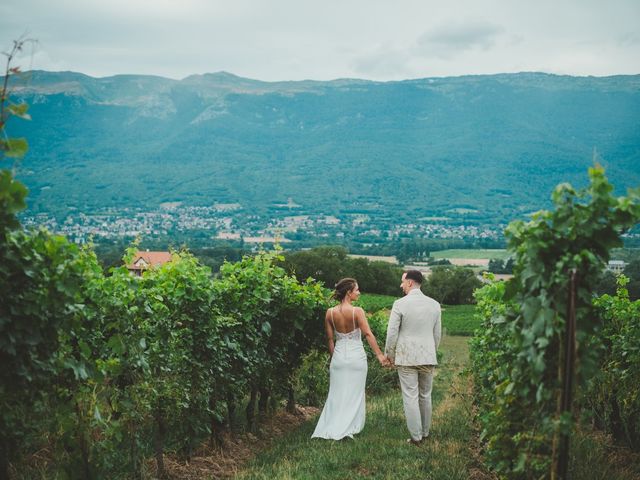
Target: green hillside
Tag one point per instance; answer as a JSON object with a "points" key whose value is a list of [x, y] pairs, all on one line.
{"points": [[473, 149]]}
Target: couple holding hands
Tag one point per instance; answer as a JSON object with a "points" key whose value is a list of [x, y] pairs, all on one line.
{"points": [[413, 335]]}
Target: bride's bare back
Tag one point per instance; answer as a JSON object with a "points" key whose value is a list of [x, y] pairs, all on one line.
{"points": [[345, 318]]}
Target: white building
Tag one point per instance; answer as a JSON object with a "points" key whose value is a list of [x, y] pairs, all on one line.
{"points": [[616, 266]]}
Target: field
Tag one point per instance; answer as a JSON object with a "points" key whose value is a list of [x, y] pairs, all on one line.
{"points": [[373, 302], [459, 319], [471, 253], [456, 319]]}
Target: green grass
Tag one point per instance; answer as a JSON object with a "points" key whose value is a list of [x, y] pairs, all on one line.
{"points": [[373, 302], [471, 253], [380, 451], [459, 319]]}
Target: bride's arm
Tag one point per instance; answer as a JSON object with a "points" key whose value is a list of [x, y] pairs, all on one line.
{"points": [[329, 329], [371, 339]]}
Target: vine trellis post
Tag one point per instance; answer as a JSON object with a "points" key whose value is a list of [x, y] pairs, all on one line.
{"points": [[561, 460]]}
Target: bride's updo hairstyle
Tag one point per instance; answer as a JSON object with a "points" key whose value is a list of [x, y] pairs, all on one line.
{"points": [[343, 287]]}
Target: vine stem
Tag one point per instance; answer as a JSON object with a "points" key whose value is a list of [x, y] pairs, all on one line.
{"points": [[17, 47]]}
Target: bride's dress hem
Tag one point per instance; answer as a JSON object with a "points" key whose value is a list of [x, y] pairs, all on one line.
{"points": [[348, 435]]}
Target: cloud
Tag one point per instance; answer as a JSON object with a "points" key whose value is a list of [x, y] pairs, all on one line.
{"points": [[293, 40], [388, 62], [447, 41], [436, 46], [629, 39]]}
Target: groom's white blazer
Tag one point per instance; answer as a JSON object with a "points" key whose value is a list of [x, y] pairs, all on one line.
{"points": [[414, 330]]}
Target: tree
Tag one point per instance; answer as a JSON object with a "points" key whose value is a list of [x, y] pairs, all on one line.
{"points": [[325, 264], [452, 285], [606, 284], [496, 265], [632, 271], [329, 264]]}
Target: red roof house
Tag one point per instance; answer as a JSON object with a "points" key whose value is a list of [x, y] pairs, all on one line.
{"points": [[145, 260]]}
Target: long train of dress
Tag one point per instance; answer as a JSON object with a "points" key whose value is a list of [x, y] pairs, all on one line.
{"points": [[343, 414]]}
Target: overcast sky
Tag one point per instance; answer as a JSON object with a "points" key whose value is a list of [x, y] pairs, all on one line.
{"points": [[326, 39]]}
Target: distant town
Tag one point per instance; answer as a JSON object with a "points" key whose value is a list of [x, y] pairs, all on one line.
{"points": [[233, 222]]}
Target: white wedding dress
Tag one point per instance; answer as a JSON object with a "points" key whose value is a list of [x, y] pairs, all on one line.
{"points": [[344, 411]]}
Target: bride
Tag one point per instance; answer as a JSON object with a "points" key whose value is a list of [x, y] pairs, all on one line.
{"points": [[344, 411]]}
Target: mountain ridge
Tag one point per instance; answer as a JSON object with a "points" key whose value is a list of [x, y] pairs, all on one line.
{"points": [[223, 78]]}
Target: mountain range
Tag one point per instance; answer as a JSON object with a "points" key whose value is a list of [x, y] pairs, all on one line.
{"points": [[483, 148]]}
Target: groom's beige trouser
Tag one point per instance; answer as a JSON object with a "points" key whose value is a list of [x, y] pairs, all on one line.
{"points": [[416, 384]]}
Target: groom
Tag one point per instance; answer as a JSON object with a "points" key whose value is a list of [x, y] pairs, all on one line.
{"points": [[413, 336]]}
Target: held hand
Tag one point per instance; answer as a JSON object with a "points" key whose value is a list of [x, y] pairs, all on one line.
{"points": [[384, 361]]}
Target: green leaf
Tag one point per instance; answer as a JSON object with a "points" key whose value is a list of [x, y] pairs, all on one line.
{"points": [[15, 147], [522, 460], [19, 110], [85, 349], [116, 345]]}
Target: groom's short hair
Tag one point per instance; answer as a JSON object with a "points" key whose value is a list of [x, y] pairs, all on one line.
{"points": [[415, 275]]}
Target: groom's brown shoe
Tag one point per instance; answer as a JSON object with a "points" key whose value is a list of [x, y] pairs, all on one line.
{"points": [[417, 443]]}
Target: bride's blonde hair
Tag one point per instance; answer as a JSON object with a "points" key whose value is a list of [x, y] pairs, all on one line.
{"points": [[343, 287]]}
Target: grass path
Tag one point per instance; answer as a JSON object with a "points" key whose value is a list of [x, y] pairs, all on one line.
{"points": [[380, 450]]}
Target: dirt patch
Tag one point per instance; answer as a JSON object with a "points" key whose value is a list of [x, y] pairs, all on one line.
{"points": [[225, 461], [476, 473], [463, 262], [477, 470]]}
